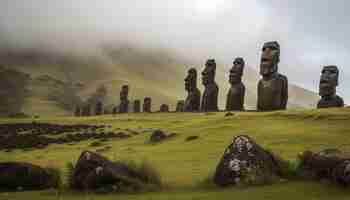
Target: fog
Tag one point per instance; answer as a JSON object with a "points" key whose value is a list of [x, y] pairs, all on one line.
{"points": [[312, 33]]}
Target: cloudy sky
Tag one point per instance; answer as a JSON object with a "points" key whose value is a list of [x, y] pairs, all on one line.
{"points": [[312, 33]]}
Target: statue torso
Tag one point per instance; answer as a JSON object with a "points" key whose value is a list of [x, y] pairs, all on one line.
{"points": [[271, 93], [331, 103], [235, 97], [192, 102], [210, 98]]}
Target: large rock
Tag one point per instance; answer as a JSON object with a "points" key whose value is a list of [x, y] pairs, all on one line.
{"points": [[24, 176], [245, 162], [332, 166], [93, 172]]}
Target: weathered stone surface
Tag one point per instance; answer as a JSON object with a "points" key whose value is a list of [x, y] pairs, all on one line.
{"points": [[93, 172], [124, 101], [341, 173], [137, 106], [210, 95], [327, 89], [26, 176], [164, 108], [273, 87], [192, 102], [235, 96], [147, 104], [180, 106], [245, 162], [332, 166]]}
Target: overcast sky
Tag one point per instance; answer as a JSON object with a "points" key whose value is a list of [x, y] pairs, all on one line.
{"points": [[312, 33]]}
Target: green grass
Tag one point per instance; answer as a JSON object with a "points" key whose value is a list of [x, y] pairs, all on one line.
{"points": [[184, 165]]}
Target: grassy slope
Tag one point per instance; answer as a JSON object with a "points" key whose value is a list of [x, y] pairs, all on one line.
{"points": [[184, 164]]}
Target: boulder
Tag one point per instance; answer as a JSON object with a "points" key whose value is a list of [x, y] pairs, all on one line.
{"points": [[14, 175], [93, 172], [245, 162], [331, 165]]}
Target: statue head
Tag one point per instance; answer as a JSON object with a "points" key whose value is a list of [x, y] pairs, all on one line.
{"points": [[236, 71], [147, 103], [329, 81], [124, 92], [208, 74], [191, 80], [270, 58]]}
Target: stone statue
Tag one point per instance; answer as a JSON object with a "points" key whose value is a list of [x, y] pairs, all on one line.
{"points": [[86, 110], [180, 106], [137, 106], [192, 102], [273, 87], [115, 110], [99, 108], [147, 104], [164, 108], [77, 111], [235, 96], [210, 95], [327, 89], [124, 102]]}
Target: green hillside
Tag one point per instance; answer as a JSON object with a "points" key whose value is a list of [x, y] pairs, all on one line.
{"points": [[184, 165]]}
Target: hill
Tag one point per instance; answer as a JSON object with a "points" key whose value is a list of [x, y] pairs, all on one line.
{"points": [[155, 73], [185, 165]]}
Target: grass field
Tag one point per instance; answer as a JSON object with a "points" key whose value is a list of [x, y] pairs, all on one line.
{"points": [[185, 165]]}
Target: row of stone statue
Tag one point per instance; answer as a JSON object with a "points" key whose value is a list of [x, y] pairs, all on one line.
{"points": [[272, 88], [90, 109]]}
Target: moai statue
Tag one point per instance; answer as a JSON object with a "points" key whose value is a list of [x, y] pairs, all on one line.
{"points": [[273, 87], [180, 106], [137, 106], [124, 102], [210, 95], [147, 104], [192, 102], [115, 110], [86, 110], [99, 108], [164, 108], [77, 111], [327, 89], [235, 96]]}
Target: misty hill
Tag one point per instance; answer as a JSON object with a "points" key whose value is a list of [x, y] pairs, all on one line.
{"points": [[59, 80]]}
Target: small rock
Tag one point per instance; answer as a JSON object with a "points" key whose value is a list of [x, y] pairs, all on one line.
{"points": [[190, 138], [157, 136], [229, 114]]}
